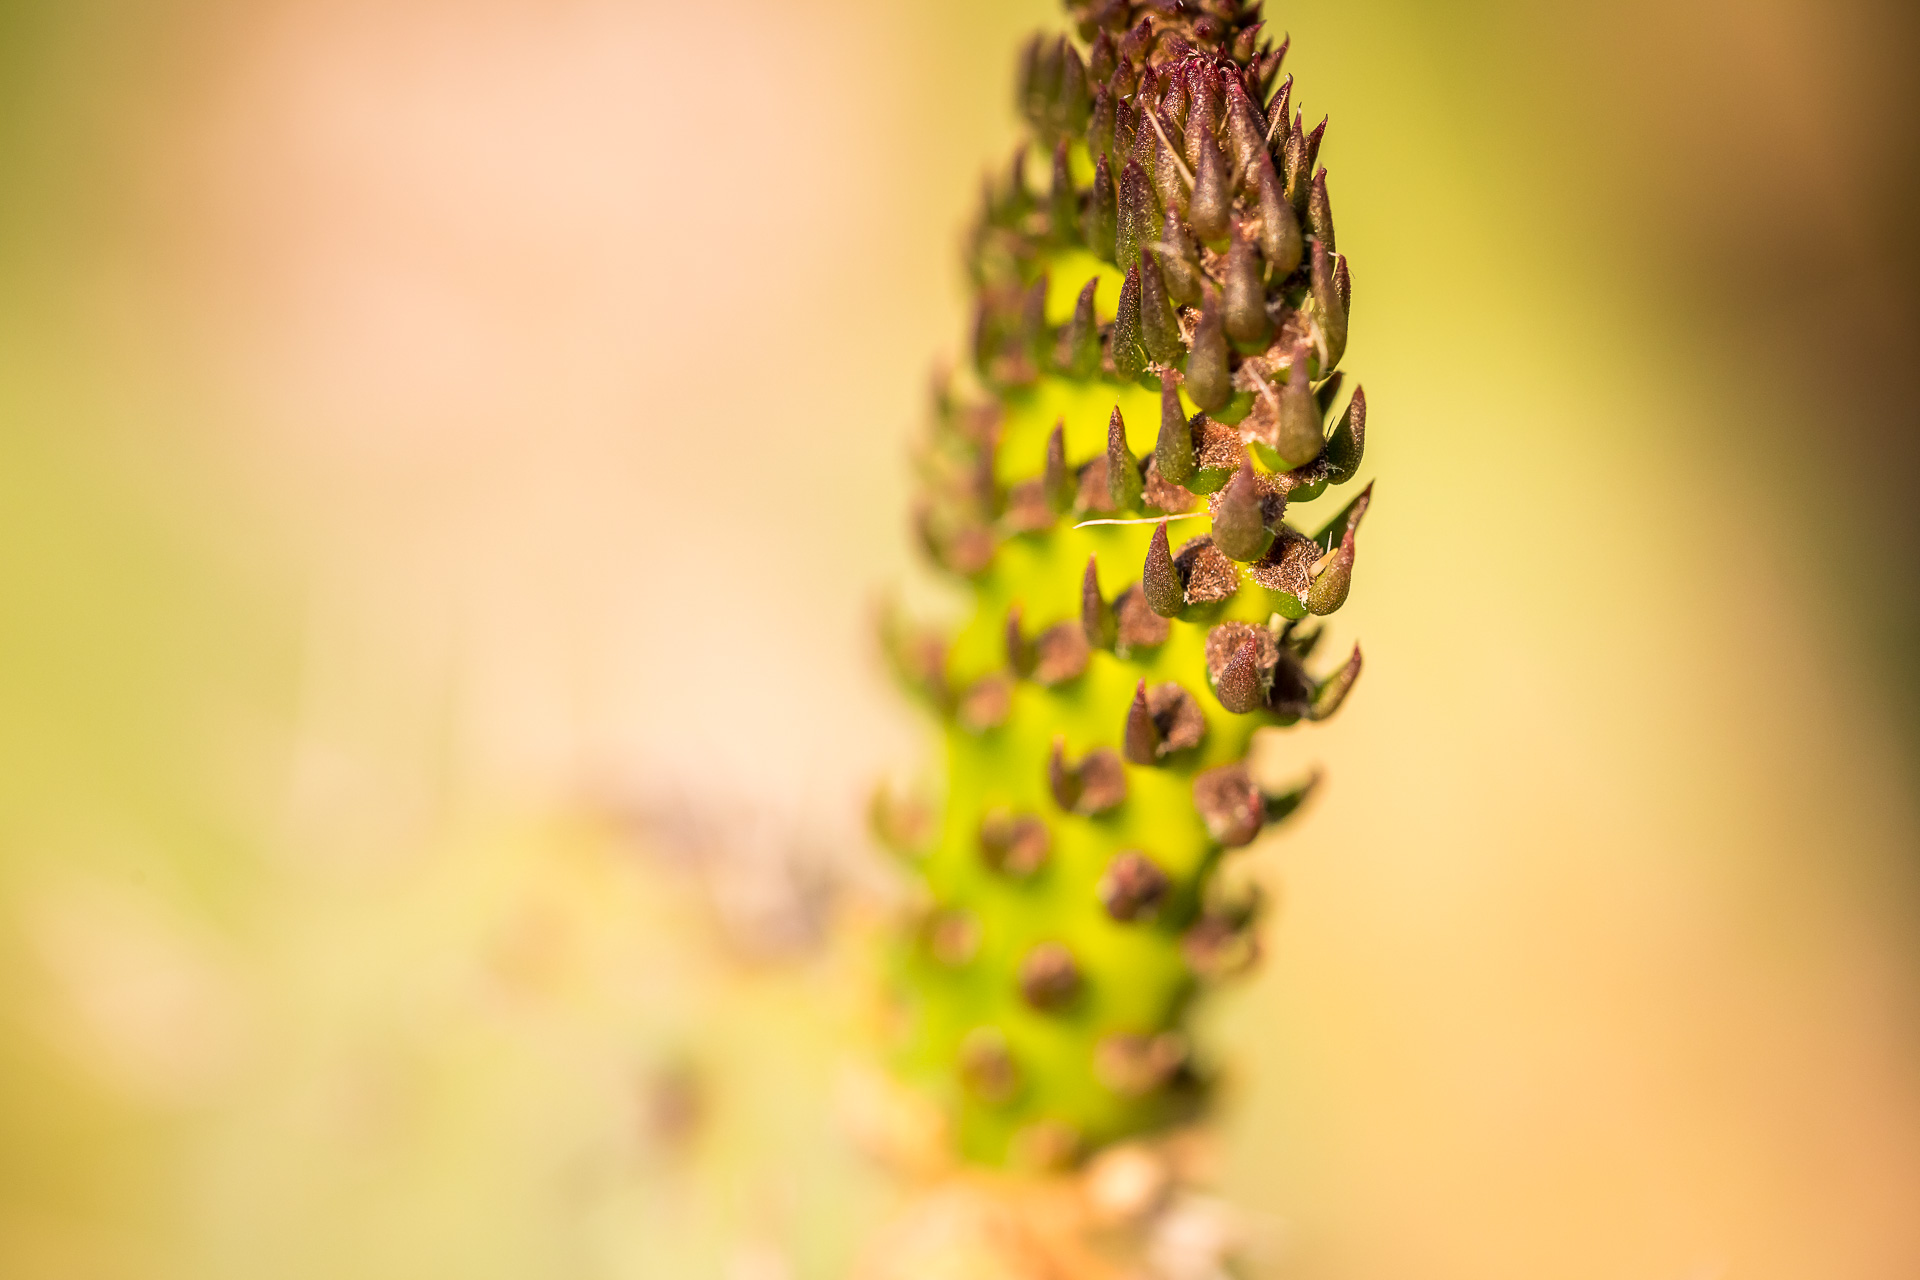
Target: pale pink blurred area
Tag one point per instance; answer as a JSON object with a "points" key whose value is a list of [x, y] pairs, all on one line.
{"points": [[577, 351], [565, 360]]}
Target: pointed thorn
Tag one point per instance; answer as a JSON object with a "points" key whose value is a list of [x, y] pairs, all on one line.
{"points": [[1079, 348], [1142, 741], [1239, 522], [1239, 688], [1019, 655], [1246, 295], [1096, 615], [1173, 451], [1334, 575], [1103, 211], [1160, 581], [1062, 781], [1297, 437], [1058, 481], [1332, 311], [1211, 208], [1124, 484], [1063, 204], [1209, 377], [1159, 330], [1348, 444], [1242, 659], [1279, 226], [1129, 357], [1320, 211], [1139, 222], [1334, 691]]}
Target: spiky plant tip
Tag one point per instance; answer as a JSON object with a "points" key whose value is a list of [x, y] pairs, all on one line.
{"points": [[1159, 313]]}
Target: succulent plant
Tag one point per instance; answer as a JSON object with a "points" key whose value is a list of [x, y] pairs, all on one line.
{"points": [[1160, 315]]}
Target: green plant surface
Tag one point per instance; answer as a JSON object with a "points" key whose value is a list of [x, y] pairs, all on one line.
{"points": [[1160, 315]]}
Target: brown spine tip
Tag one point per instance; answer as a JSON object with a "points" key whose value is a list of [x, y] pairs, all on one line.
{"points": [[1230, 805], [1096, 615], [1161, 579], [1133, 887], [1050, 977]]}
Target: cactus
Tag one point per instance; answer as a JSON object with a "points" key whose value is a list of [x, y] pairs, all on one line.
{"points": [[1160, 314]]}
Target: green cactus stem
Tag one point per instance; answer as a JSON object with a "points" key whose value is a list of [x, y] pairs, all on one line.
{"points": [[1160, 313]]}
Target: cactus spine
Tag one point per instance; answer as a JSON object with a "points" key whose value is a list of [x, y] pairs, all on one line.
{"points": [[1160, 313]]}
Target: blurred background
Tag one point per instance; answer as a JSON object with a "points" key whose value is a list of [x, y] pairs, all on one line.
{"points": [[448, 454]]}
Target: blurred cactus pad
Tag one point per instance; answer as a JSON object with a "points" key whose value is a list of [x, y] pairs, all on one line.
{"points": [[1132, 480]]}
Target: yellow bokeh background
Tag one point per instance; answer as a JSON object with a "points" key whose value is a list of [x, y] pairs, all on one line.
{"points": [[439, 439]]}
